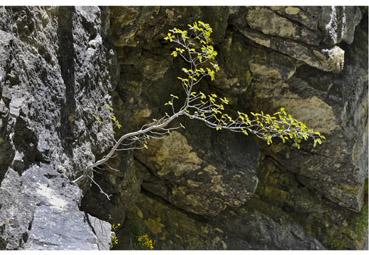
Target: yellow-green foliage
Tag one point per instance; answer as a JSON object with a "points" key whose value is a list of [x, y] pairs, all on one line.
{"points": [[113, 118], [115, 227], [194, 46], [145, 242], [115, 240]]}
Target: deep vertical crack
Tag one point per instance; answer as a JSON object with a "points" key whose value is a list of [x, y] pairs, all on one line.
{"points": [[66, 55]]}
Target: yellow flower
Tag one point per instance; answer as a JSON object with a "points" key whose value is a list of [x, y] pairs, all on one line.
{"points": [[146, 242]]}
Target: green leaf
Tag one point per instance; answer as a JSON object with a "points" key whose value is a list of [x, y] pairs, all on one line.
{"points": [[174, 54]]}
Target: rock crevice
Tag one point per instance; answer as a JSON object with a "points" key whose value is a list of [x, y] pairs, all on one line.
{"points": [[63, 70]]}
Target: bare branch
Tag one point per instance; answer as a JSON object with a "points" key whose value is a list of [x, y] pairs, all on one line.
{"points": [[101, 190]]}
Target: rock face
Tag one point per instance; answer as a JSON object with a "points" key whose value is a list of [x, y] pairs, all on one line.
{"points": [[54, 74], [194, 184], [302, 58], [63, 70]]}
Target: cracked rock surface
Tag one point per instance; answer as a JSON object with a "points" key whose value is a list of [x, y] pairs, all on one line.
{"points": [[68, 73], [54, 78]]}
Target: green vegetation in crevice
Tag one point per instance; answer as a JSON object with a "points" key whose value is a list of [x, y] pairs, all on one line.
{"points": [[114, 240], [131, 236]]}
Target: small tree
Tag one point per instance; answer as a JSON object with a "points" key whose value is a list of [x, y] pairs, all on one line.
{"points": [[194, 46]]}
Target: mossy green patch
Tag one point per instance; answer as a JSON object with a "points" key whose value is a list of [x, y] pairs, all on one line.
{"points": [[335, 226], [351, 235]]}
